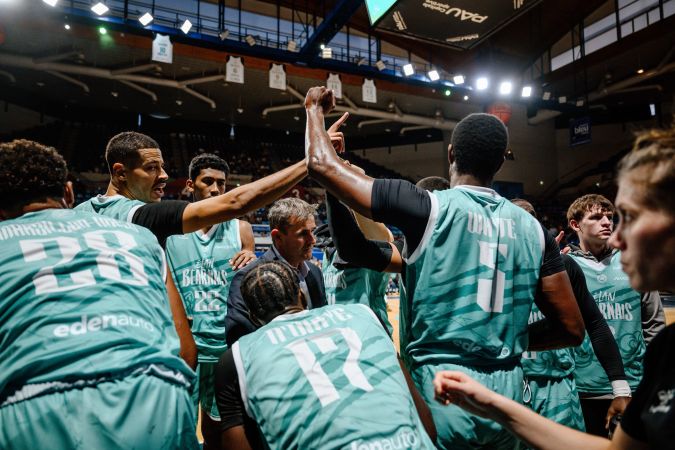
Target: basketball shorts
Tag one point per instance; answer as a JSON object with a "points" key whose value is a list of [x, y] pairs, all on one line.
{"points": [[556, 399], [459, 429], [139, 411]]}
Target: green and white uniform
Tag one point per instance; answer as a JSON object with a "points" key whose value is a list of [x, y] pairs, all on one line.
{"points": [[327, 379], [551, 390], [115, 206], [200, 266], [86, 327], [621, 306], [470, 286], [355, 285]]}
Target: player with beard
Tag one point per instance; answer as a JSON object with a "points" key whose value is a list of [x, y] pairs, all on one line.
{"points": [[202, 265], [634, 317]]}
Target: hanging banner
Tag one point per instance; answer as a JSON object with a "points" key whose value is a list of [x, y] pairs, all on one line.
{"points": [[580, 131], [335, 84], [369, 92], [234, 70], [278, 77], [162, 49]]}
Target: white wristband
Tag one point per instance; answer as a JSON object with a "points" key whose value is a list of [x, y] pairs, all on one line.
{"points": [[620, 388]]}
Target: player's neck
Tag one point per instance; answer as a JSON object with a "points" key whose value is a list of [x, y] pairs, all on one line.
{"points": [[49, 203], [467, 180], [114, 189], [597, 249]]}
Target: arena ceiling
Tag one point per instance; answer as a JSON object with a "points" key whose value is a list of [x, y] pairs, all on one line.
{"points": [[80, 73]]}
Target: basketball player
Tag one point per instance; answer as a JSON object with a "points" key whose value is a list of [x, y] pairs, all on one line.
{"points": [[635, 318], [645, 238], [474, 262], [89, 352], [325, 379], [550, 388], [202, 265]]}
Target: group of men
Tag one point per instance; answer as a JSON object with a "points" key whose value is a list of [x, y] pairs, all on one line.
{"points": [[276, 353]]}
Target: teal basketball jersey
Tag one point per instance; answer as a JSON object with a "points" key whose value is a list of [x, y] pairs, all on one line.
{"points": [[621, 306], [550, 364], [354, 285], [116, 206], [201, 270], [471, 281], [82, 300], [327, 379]]}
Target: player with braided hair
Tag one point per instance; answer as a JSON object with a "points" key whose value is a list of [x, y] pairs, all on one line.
{"points": [[308, 379]]}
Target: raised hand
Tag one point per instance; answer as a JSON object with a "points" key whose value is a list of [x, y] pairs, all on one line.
{"points": [[320, 97], [337, 138]]}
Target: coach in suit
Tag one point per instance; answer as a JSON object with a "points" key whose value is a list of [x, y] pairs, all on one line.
{"points": [[292, 224]]}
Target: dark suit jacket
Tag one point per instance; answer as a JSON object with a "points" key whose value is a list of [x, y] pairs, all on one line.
{"points": [[237, 322]]}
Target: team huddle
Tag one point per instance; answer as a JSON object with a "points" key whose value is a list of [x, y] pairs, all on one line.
{"points": [[126, 318]]}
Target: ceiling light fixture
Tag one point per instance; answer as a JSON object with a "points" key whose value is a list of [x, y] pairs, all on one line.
{"points": [[66, 26], [458, 79], [327, 53], [380, 65], [433, 75], [145, 19], [224, 34], [291, 46], [51, 3], [505, 88], [526, 92], [186, 27], [482, 83], [408, 70], [250, 40], [100, 8]]}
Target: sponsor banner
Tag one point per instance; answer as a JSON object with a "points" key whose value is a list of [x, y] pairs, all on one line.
{"points": [[234, 70], [162, 49], [580, 131], [455, 23]]}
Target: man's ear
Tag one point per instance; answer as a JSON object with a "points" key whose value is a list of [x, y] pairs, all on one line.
{"points": [[119, 171], [451, 154], [275, 233], [574, 225], [69, 194], [190, 185]]}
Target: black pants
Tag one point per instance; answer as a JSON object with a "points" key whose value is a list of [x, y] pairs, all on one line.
{"points": [[595, 413]]}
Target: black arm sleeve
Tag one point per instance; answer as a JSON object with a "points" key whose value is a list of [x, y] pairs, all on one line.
{"points": [[228, 393], [352, 246], [601, 337], [552, 262], [164, 219], [404, 205]]}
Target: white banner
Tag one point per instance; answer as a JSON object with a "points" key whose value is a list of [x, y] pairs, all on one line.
{"points": [[234, 70], [369, 91], [162, 49], [335, 84], [278, 77]]}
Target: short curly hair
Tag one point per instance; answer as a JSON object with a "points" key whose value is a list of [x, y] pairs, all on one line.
{"points": [[30, 171], [207, 161], [479, 144], [587, 203]]}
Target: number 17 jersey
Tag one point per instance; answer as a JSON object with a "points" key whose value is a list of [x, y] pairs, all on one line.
{"points": [[327, 379]]}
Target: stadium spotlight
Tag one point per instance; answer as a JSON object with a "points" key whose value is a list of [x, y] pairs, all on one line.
{"points": [[250, 40], [224, 34], [322, 46], [145, 19], [458, 79], [546, 96], [291, 46], [433, 75], [51, 3], [526, 92], [580, 102], [102, 30], [66, 26], [562, 99], [100, 8], [641, 71], [482, 83], [505, 87], [466, 97], [326, 53], [186, 27], [408, 70], [448, 92], [380, 65]]}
